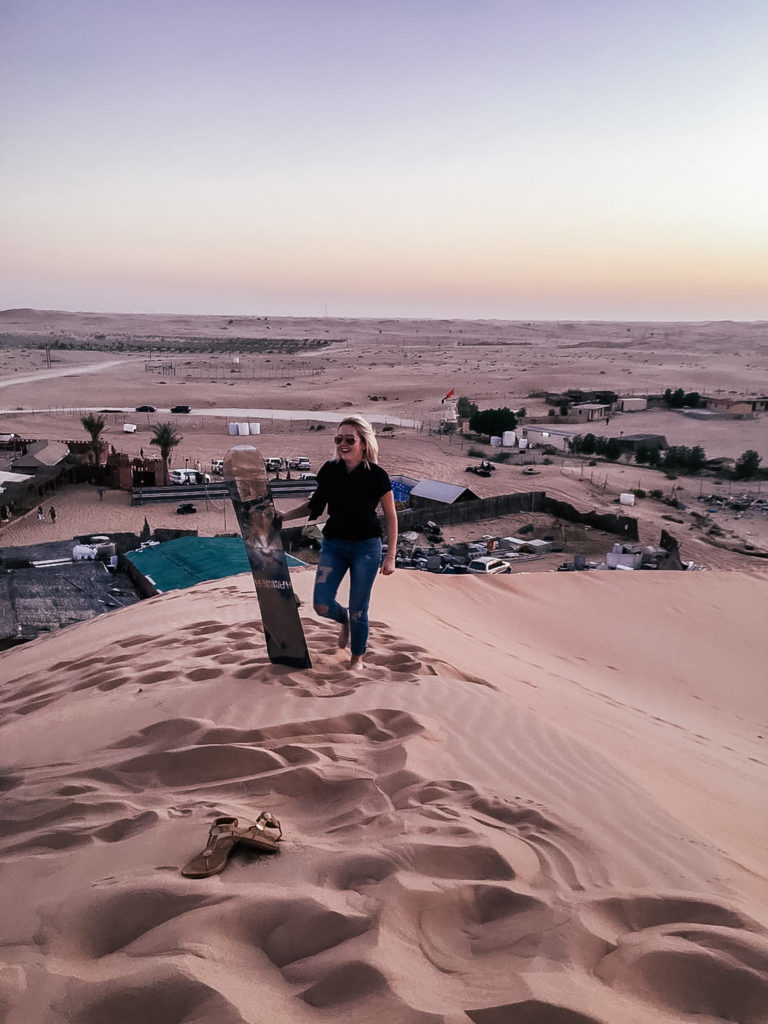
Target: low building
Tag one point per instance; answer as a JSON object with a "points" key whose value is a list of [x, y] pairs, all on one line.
{"points": [[631, 442], [435, 493], [590, 411], [539, 433], [632, 404], [43, 588], [186, 561], [11, 481], [731, 406], [41, 457], [402, 487]]}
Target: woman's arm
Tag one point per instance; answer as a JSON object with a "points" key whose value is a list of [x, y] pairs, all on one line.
{"points": [[390, 518], [294, 513]]}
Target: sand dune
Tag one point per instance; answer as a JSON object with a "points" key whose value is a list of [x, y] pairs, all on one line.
{"points": [[542, 801], [525, 808]]}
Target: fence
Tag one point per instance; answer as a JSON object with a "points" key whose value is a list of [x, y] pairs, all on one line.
{"points": [[622, 526], [494, 508]]}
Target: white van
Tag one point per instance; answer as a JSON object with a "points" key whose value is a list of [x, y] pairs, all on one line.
{"points": [[488, 564], [217, 466], [189, 476]]}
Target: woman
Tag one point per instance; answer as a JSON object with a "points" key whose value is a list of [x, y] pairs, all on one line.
{"points": [[352, 485]]}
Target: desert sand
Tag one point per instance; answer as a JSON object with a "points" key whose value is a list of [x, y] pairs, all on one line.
{"points": [[542, 800]]}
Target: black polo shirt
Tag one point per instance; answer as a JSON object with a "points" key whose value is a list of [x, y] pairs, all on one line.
{"points": [[352, 499]]}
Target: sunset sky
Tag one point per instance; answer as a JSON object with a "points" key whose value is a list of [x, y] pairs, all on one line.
{"points": [[527, 159]]}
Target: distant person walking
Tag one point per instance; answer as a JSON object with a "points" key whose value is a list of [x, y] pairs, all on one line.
{"points": [[352, 485], [52, 513], [101, 493], [40, 513]]}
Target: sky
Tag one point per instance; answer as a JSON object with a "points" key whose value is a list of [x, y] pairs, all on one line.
{"points": [[527, 159]]}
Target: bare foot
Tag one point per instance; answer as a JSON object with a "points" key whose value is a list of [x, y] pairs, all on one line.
{"points": [[343, 640], [356, 661]]}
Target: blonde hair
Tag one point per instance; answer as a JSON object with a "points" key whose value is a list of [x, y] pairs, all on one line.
{"points": [[367, 436]]}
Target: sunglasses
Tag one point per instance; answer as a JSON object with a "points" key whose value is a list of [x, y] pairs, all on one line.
{"points": [[345, 439]]}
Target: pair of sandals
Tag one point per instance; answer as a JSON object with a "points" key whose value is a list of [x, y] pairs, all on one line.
{"points": [[224, 836]]}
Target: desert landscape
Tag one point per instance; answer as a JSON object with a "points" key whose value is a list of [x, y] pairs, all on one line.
{"points": [[541, 801]]}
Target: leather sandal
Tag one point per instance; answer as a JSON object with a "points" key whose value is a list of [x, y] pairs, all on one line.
{"points": [[221, 841], [264, 835]]}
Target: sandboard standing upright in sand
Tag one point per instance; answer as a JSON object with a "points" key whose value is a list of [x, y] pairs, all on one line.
{"points": [[246, 477]]}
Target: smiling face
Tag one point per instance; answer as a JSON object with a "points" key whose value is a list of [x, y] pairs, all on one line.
{"points": [[349, 445]]}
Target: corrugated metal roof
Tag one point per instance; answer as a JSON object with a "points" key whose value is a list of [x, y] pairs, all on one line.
{"points": [[14, 478], [49, 453], [436, 490], [184, 562]]}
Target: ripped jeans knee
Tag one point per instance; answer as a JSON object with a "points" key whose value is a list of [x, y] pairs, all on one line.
{"points": [[361, 559]]}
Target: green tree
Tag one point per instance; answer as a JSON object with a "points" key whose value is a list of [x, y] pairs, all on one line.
{"points": [[465, 408], [493, 421], [747, 464], [589, 444], [697, 458], [606, 397], [94, 425], [680, 399], [671, 458], [612, 449], [654, 456], [166, 439], [675, 399]]}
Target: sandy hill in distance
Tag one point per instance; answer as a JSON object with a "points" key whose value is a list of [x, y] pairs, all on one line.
{"points": [[542, 800]]}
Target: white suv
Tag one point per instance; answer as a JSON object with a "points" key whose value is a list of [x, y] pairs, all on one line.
{"points": [[487, 564], [189, 476]]}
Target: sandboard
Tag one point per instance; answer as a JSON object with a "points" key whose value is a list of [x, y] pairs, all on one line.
{"points": [[246, 478]]}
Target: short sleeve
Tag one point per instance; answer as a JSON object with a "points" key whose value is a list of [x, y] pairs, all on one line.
{"points": [[319, 498]]}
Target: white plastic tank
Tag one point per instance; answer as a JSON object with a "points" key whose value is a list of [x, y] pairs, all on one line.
{"points": [[83, 552]]}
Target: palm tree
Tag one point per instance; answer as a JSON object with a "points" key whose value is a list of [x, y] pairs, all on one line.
{"points": [[94, 425], [166, 439]]}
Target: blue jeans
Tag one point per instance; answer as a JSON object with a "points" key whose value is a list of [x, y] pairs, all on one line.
{"points": [[361, 558]]}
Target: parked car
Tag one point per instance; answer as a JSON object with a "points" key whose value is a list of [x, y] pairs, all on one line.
{"points": [[186, 508], [145, 408], [308, 476], [181, 408], [299, 462], [189, 476], [488, 564], [217, 466], [273, 463]]}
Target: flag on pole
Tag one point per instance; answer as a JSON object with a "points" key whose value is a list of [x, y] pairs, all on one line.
{"points": [[450, 394]]}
